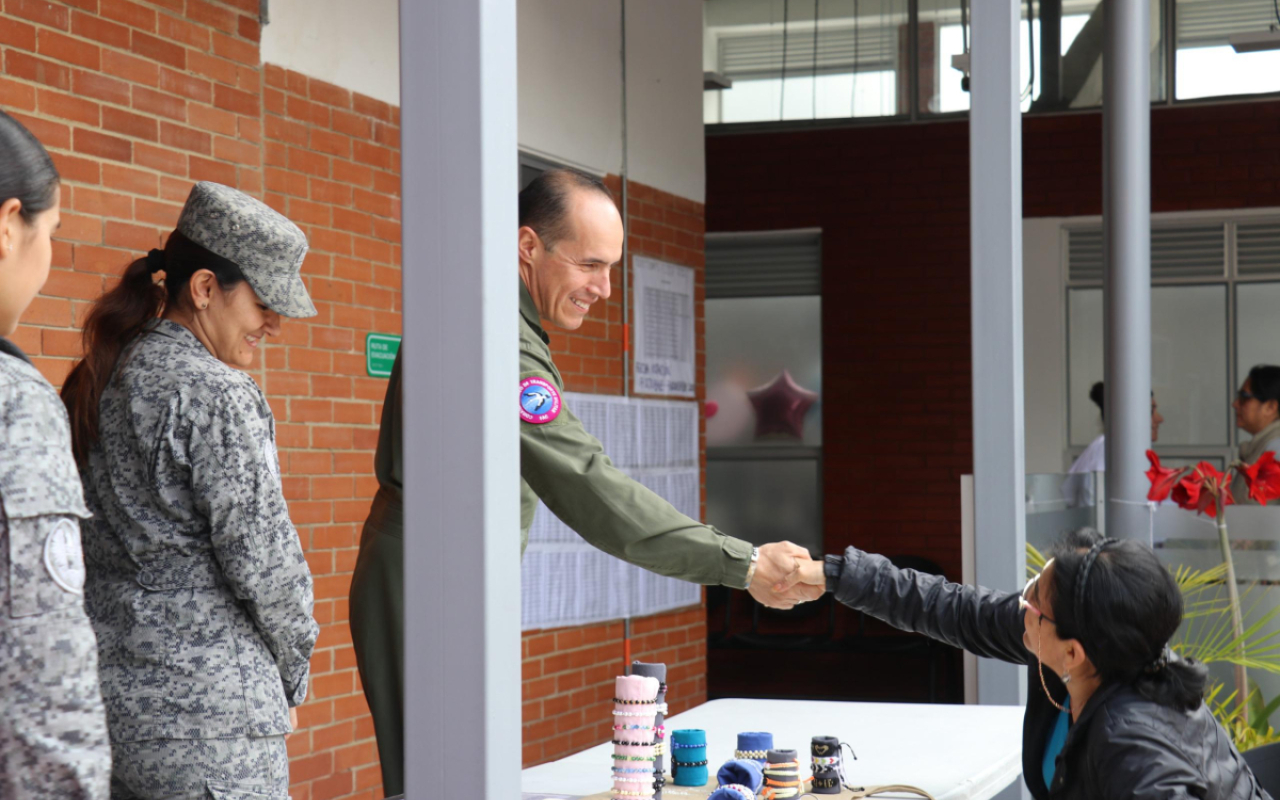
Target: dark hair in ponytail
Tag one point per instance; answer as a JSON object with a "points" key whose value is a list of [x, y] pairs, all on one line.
{"points": [[122, 314], [1129, 609], [29, 175]]}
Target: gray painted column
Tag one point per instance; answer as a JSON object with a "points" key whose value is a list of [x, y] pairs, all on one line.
{"points": [[461, 451], [1126, 227], [995, 195]]}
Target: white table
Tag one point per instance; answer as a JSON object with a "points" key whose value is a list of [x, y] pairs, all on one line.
{"points": [[953, 752]]}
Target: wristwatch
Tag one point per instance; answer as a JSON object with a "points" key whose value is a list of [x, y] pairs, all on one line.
{"points": [[751, 570]]}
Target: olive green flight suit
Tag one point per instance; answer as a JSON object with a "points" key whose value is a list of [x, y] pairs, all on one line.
{"points": [[377, 595], [565, 467]]}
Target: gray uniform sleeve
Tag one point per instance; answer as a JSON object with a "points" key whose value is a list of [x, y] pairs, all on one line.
{"points": [[55, 730], [235, 476]]}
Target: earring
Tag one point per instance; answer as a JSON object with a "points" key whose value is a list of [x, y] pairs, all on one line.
{"points": [[1066, 676], [203, 306]]}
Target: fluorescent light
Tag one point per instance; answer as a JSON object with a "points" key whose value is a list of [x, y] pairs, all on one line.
{"points": [[1255, 42]]}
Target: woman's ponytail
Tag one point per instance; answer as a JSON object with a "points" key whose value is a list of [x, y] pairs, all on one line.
{"points": [[1178, 683], [117, 318], [122, 314]]}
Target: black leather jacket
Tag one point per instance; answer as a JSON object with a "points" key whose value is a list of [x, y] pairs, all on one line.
{"points": [[1122, 746]]}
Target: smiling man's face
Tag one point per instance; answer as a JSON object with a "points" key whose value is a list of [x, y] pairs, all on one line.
{"points": [[572, 275]]}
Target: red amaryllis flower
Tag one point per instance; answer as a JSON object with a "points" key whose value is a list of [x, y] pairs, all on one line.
{"points": [[1162, 479], [1263, 477], [1187, 492], [1209, 502], [1215, 489]]}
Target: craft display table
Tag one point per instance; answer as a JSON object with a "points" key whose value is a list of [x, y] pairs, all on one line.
{"points": [[954, 752]]}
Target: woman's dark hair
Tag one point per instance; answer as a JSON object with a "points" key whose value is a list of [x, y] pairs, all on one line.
{"points": [[122, 314], [28, 174], [1124, 608], [1264, 380], [1096, 394]]}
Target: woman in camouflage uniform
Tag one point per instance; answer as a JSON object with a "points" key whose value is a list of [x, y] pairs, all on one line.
{"points": [[53, 733], [197, 586]]}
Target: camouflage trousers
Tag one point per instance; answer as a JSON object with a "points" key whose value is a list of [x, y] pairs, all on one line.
{"points": [[53, 732], [201, 769]]}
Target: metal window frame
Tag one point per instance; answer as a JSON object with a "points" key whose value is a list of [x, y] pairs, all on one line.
{"points": [[1169, 47], [1231, 280]]}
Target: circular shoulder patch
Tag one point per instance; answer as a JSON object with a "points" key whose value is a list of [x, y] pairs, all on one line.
{"points": [[539, 401], [271, 456], [63, 557]]}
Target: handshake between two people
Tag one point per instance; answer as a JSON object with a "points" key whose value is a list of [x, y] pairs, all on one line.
{"points": [[786, 576]]}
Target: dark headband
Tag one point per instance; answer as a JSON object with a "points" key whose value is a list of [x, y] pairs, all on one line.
{"points": [[1083, 580]]}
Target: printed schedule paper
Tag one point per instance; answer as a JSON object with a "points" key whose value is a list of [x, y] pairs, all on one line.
{"points": [[665, 351]]}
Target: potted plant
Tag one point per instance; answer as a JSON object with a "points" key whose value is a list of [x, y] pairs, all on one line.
{"points": [[1206, 490]]}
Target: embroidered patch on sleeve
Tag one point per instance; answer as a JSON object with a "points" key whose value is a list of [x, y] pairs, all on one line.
{"points": [[539, 401], [63, 558]]}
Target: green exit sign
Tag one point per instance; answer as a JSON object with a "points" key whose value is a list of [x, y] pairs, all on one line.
{"points": [[380, 354]]}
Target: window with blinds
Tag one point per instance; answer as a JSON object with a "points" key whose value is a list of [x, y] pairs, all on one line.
{"points": [[1215, 283], [764, 264], [1189, 251]]}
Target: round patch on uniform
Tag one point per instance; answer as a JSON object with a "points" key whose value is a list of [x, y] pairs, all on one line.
{"points": [[539, 401], [271, 457], [63, 557]]}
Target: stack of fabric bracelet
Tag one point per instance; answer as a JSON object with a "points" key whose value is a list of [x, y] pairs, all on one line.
{"points": [[689, 757], [782, 776], [739, 779], [828, 769], [659, 673], [754, 746], [635, 704]]}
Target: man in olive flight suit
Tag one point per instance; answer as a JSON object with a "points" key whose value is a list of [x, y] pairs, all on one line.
{"points": [[570, 238]]}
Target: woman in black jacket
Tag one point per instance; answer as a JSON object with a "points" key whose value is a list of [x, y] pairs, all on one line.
{"points": [[1111, 711]]}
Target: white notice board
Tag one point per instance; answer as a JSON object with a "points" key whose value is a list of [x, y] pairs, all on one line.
{"points": [[665, 351]]}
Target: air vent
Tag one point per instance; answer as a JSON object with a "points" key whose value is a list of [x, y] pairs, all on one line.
{"points": [[1258, 248], [1084, 255], [1204, 23], [1177, 252], [764, 264], [1189, 251]]}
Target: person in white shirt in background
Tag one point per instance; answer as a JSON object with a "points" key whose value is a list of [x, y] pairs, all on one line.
{"points": [[1077, 489]]}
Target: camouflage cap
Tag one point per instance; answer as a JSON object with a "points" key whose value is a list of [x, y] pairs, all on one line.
{"points": [[266, 246]]}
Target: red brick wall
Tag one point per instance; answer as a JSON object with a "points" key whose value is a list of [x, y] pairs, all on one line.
{"points": [[569, 672], [136, 101], [331, 163], [893, 203]]}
